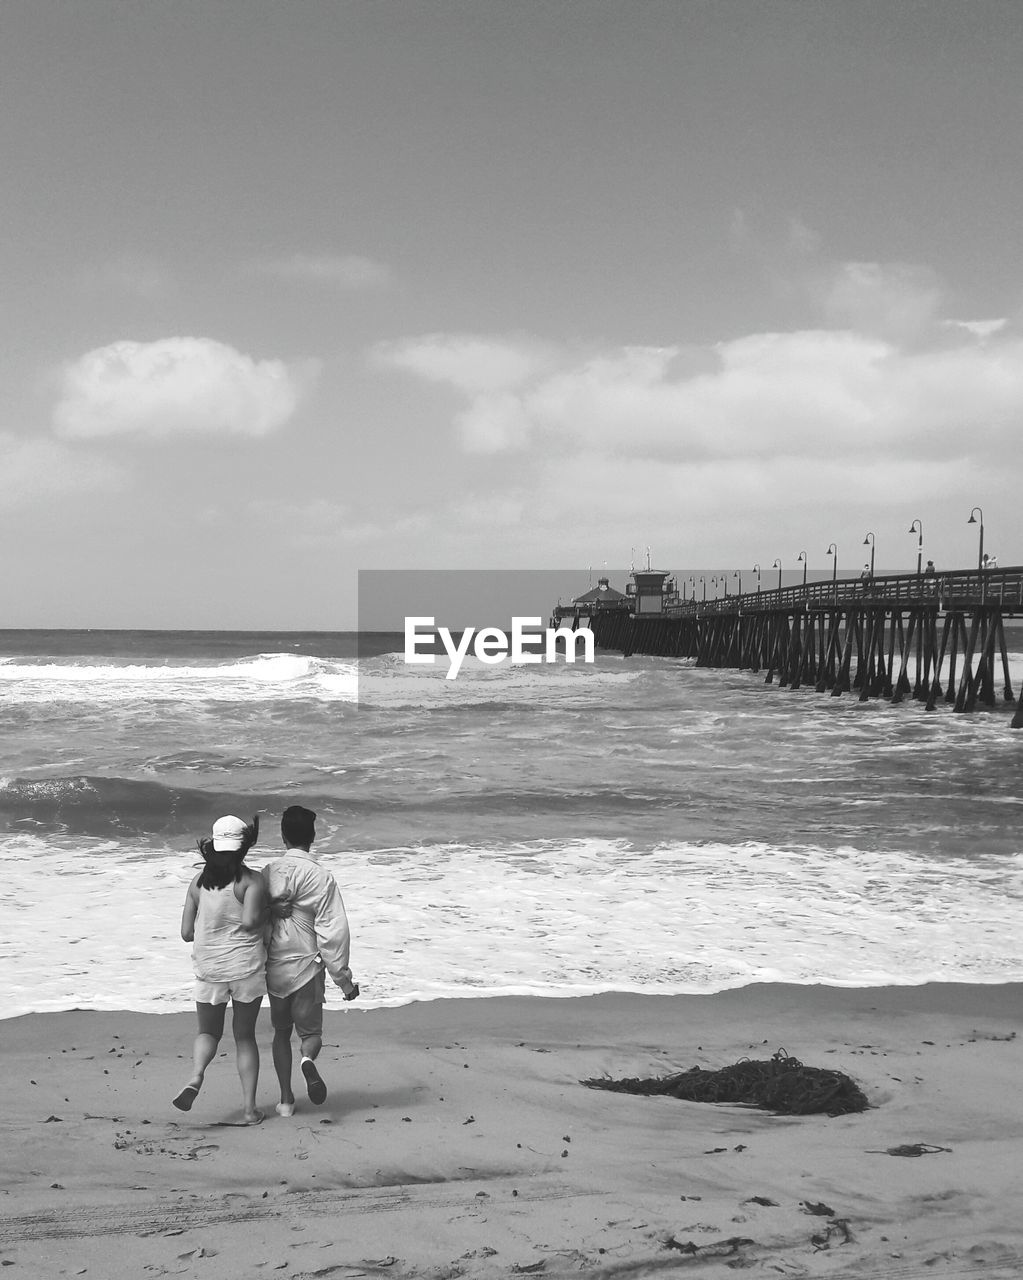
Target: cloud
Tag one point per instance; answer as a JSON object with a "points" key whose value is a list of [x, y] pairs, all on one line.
{"points": [[898, 301], [34, 469], [814, 393], [342, 271], [879, 410], [895, 300], [175, 386], [471, 363], [495, 423], [979, 328]]}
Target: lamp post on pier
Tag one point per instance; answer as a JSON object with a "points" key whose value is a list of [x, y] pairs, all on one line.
{"points": [[833, 551], [918, 528], [868, 541], [738, 574], [777, 565], [802, 556], [980, 548], [756, 570], [704, 581]]}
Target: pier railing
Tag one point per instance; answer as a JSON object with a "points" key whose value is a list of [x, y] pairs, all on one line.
{"points": [[961, 588], [933, 637]]}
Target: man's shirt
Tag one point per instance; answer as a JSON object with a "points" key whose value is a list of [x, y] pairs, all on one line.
{"points": [[316, 933]]}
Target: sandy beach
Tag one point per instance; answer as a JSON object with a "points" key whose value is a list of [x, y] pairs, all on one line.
{"points": [[457, 1141]]}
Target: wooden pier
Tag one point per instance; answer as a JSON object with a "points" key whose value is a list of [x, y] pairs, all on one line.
{"points": [[932, 638]]}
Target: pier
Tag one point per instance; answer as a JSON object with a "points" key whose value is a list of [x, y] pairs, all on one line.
{"points": [[938, 638]]}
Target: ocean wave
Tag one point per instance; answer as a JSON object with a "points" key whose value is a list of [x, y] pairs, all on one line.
{"points": [[543, 916], [375, 682], [96, 806], [260, 676], [101, 805]]}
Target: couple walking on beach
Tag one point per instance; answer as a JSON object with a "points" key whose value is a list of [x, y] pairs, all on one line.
{"points": [[274, 932]]}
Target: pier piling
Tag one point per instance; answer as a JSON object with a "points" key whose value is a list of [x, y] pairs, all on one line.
{"points": [[896, 637]]}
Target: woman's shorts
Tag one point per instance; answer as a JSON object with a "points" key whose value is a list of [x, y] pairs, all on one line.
{"points": [[303, 1009], [240, 990]]}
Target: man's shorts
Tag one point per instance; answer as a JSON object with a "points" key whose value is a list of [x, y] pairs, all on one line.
{"points": [[303, 1008], [240, 990]]}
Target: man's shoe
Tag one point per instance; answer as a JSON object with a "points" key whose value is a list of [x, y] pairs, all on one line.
{"points": [[315, 1087]]}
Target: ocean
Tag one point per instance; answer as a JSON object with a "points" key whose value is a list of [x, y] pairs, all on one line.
{"points": [[637, 825]]}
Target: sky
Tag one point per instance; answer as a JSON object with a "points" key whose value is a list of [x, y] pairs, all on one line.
{"points": [[294, 290]]}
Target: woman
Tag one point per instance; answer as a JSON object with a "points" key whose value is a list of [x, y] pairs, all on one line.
{"points": [[224, 917]]}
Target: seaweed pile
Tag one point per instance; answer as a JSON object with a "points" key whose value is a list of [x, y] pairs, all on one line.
{"points": [[779, 1084]]}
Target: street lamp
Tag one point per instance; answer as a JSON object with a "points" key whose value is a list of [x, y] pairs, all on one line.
{"points": [[777, 565], [756, 570], [704, 581], [833, 551], [802, 556], [980, 549], [918, 528], [868, 541], [738, 574]]}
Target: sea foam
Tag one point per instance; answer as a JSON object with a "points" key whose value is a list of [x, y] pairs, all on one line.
{"points": [[567, 918]]}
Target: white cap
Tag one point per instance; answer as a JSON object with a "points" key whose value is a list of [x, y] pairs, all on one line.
{"points": [[229, 833]]}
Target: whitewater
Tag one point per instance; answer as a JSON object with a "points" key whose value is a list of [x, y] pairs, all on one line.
{"points": [[637, 825]]}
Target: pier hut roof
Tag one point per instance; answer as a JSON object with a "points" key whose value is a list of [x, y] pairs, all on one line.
{"points": [[602, 593]]}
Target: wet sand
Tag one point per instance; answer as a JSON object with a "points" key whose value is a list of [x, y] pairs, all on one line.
{"points": [[456, 1140]]}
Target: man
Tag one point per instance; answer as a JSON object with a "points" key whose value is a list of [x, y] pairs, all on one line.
{"points": [[310, 935]]}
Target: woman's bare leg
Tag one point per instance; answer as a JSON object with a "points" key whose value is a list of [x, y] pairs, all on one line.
{"points": [[243, 1024], [211, 1028]]}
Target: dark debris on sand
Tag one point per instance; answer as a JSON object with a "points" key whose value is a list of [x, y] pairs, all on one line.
{"points": [[780, 1084]]}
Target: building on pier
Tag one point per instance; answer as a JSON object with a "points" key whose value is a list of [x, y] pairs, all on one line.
{"points": [[603, 598]]}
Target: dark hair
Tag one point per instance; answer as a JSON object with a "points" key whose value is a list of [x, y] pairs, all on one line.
{"points": [[225, 868], [298, 826]]}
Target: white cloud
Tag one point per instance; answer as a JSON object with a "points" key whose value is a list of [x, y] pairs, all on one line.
{"points": [[811, 393], [884, 410], [979, 328], [343, 271], [590, 506], [174, 386], [896, 300], [34, 469], [494, 423], [470, 363]]}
